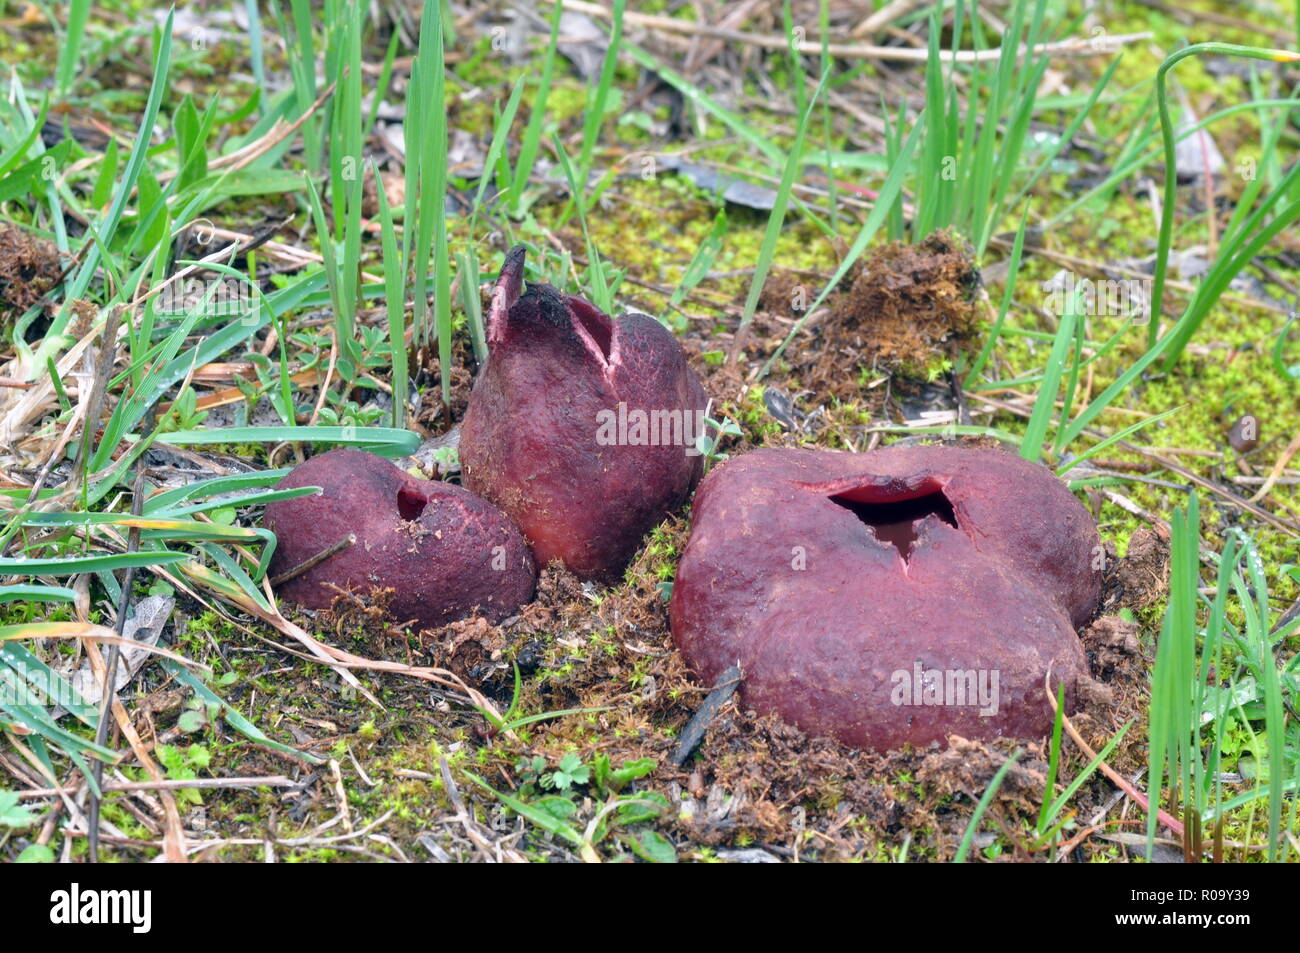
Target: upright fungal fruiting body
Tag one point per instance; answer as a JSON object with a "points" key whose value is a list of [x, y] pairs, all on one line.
{"points": [[442, 550], [889, 598], [581, 427]]}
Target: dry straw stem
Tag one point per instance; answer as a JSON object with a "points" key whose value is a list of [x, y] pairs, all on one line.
{"points": [[173, 833], [233, 395], [240, 241], [1083, 46], [89, 632], [312, 840], [268, 781], [477, 834], [108, 689], [32, 403], [75, 814], [1116, 778], [338, 659], [278, 132], [1291, 449], [292, 255], [1172, 466], [883, 17], [1109, 269]]}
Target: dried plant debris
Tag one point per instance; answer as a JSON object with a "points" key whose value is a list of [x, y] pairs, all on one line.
{"points": [[907, 305], [1141, 579], [29, 267], [432, 413], [1113, 645]]}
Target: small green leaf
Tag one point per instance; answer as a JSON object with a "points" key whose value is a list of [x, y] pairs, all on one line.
{"points": [[570, 771], [225, 516], [641, 807], [654, 847], [560, 808], [543, 819], [13, 814], [103, 189], [632, 771], [36, 854]]}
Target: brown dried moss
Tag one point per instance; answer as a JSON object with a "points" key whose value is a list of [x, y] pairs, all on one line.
{"points": [[29, 267]]}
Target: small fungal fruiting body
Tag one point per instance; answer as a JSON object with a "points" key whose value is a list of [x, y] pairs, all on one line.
{"points": [[581, 427], [442, 550], [892, 597]]}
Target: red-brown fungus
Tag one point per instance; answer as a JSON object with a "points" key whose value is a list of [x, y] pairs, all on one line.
{"points": [[889, 598], [581, 427], [442, 550]]}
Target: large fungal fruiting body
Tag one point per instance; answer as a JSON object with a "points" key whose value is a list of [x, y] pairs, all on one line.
{"points": [[889, 598], [580, 427], [442, 550]]}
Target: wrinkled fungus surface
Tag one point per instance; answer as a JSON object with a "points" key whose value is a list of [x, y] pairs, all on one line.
{"points": [[891, 597], [444, 551], [581, 427]]}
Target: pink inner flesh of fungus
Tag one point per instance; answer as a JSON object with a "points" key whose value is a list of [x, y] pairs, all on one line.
{"points": [[894, 520], [597, 325]]}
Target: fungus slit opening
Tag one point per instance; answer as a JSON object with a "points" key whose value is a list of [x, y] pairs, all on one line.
{"points": [[410, 503], [896, 521], [596, 323]]}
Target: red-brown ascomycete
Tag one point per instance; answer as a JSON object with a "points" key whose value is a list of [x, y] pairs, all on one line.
{"points": [[892, 597], [581, 427], [442, 550]]}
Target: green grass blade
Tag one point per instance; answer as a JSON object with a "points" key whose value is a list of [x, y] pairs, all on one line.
{"points": [[1031, 447], [777, 217], [880, 211], [385, 441]]}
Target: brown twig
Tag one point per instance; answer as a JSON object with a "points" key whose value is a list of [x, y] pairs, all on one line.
{"points": [[1275, 474], [884, 17], [1084, 46], [1116, 778], [114, 655], [332, 550], [170, 784], [1171, 465], [104, 362], [718, 696]]}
